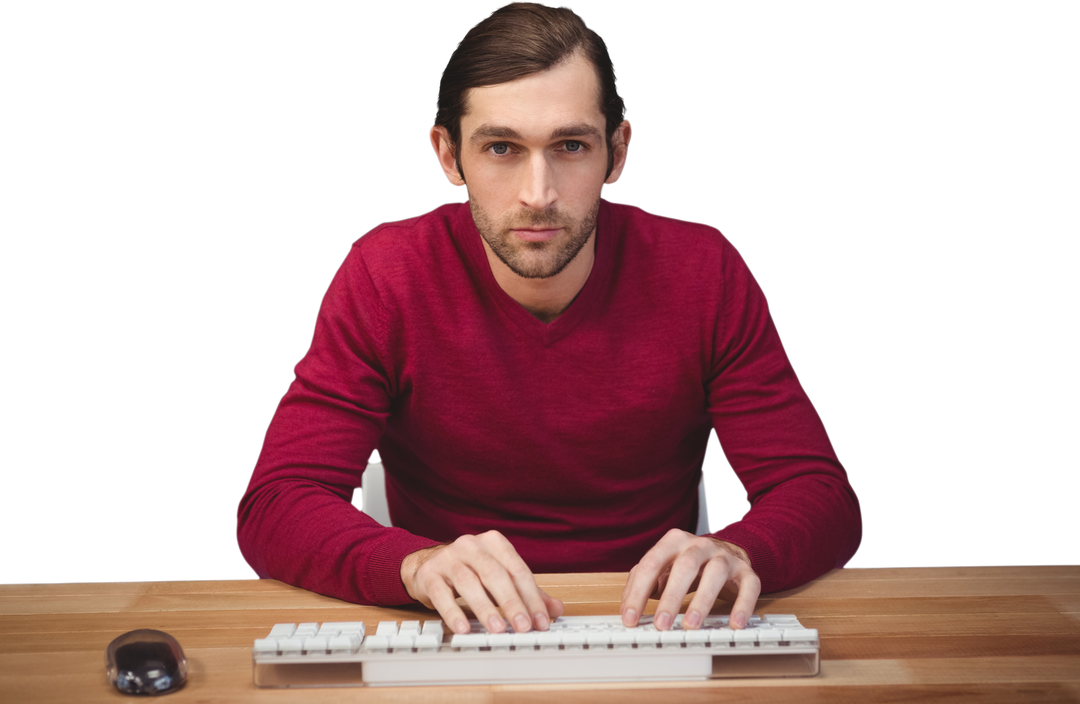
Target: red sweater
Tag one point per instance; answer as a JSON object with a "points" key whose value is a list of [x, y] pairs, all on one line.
{"points": [[581, 440]]}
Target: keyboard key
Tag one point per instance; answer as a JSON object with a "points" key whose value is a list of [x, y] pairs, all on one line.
{"points": [[316, 645], [352, 628], [291, 646], [266, 645], [598, 638], [427, 642], [523, 640], [402, 641], [773, 618], [548, 639], [800, 635], [769, 638], [377, 642], [282, 630], [500, 640], [387, 628], [573, 638], [745, 637], [647, 637], [342, 628], [469, 640], [343, 645], [721, 636], [698, 636]]}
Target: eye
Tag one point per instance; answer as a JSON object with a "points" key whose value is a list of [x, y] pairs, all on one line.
{"points": [[501, 149]]}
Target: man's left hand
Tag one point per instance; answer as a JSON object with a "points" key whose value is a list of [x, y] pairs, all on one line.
{"points": [[681, 563]]}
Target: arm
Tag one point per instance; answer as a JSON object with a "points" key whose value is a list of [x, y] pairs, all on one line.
{"points": [[296, 522], [804, 518]]}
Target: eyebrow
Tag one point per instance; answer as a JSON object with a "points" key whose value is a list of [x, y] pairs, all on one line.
{"points": [[486, 132]]}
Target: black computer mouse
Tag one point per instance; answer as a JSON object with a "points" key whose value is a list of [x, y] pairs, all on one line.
{"points": [[146, 662]]}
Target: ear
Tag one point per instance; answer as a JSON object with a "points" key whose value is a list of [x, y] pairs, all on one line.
{"points": [[444, 150], [620, 140]]}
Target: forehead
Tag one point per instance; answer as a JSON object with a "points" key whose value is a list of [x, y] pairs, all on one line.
{"points": [[539, 102]]}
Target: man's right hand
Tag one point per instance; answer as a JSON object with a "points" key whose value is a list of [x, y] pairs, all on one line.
{"points": [[479, 568]]}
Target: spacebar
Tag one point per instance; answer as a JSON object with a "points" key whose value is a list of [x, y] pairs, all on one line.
{"points": [[562, 666]]}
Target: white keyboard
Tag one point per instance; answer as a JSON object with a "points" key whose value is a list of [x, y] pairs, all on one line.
{"points": [[575, 649]]}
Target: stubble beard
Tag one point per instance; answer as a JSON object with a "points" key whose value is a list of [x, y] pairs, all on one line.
{"points": [[535, 260]]}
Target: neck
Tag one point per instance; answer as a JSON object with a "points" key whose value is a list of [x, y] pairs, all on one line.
{"points": [[546, 299]]}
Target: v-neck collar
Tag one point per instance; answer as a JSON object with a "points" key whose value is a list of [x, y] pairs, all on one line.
{"points": [[546, 334]]}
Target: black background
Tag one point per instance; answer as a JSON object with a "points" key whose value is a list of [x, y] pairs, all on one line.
{"points": [[202, 177]]}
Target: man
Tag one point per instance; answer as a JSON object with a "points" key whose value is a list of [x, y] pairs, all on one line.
{"points": [[540, 371]]}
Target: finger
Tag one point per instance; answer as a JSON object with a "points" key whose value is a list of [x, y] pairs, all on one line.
{"points": [[482, 581], [443, 601], [685, 570], [521, 599], [524, 606], [729, 591], [643, 579], [749, 590], [661, 583], [555, 606], [713, 577], [626, 587]]}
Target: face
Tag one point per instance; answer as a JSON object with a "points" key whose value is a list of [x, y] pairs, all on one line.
{"points": [[534, 156]]}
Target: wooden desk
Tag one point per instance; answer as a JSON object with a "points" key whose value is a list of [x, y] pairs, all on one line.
{"points": [[990, 634]]}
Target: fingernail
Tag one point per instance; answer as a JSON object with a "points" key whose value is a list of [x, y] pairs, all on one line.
{"points": [[738, 621], [496, 624], [629, 617], [521, 623], [663, 621], [541, 620], [461, 626], [692, 619]]}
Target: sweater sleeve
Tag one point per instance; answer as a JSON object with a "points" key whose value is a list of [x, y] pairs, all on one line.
{"points": [[804, 517], [296, 522]]}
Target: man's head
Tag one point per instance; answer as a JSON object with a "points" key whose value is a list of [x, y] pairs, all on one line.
{"points": [[530, 120], [518, 40]]}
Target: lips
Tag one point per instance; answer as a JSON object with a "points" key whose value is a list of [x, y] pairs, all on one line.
{"points": [[536, 234]]}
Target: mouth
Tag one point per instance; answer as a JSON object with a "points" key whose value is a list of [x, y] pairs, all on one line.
{"points": [[536, 234]]}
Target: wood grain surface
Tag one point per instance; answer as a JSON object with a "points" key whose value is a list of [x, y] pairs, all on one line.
{"points": [[983, 634]]}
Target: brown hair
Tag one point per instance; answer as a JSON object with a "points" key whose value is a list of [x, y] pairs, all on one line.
{"points": [[516, 41]]}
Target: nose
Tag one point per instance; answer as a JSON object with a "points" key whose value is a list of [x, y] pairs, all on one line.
{"points": [[538, 185]]}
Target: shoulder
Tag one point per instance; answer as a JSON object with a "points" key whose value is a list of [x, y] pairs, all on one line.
{"points": [[411, 237], [400, 264], [678, 246]]}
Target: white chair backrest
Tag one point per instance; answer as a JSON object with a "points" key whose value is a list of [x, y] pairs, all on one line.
{"points": [[373, 488]]}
